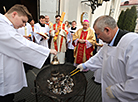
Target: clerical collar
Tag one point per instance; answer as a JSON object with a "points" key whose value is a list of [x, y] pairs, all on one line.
{"points": [[42, 25], [73, 28], [112, 42], [84, 29], [47, 22]]}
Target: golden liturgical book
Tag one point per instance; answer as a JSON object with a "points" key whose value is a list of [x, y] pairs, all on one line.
{"points": [[43, 34]]}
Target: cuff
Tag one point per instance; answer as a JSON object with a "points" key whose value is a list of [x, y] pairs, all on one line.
{"points": [[84, 67], [112, 92]]}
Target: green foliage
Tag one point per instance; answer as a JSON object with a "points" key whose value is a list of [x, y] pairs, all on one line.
{"points": [[127, 19], [121, 20], [134, 17]]}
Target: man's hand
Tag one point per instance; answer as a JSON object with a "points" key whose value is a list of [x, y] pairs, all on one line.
{"points": [[44, 38], [100, 45], [81, 41], [46, 34], [56, 31], [27, 37], [80, 67], [72, 34], [59, 28], [109, 92], [53, 51]]}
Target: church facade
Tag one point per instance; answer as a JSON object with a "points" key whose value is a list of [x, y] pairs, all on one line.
{"points": [[73, 9]]}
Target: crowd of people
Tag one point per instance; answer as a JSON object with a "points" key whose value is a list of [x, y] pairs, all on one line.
{"points": [[72, 44], [23, 41], [26, 44]]}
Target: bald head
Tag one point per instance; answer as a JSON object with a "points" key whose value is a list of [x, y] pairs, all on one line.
{"points": [[47, 18]]}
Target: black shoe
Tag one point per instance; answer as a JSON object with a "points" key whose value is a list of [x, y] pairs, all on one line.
{"points": [[97, 83], [93, 78]]}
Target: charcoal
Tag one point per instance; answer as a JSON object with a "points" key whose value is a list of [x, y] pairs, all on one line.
{"points": [[60, 83]]}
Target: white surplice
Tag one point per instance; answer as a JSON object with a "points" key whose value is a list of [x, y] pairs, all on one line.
{"points": [[119, 66], [14, 50], [39, 29]]}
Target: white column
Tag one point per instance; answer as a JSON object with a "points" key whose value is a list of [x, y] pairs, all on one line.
{"points": [[117, 7]]}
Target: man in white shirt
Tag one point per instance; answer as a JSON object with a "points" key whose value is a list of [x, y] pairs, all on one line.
{"points": [[14, 50], [70, 50]]}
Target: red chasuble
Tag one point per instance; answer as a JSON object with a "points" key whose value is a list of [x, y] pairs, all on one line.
{"points": [[82, 51]]}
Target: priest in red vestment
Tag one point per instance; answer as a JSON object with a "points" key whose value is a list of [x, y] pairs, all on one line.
{"points": [[84, 41], [59, 36]]}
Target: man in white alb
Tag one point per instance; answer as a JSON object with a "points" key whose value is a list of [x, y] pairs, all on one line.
{"points": [[14, 50]]}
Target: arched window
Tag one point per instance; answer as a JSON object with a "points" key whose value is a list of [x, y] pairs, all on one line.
{"points": [[126, 2]]}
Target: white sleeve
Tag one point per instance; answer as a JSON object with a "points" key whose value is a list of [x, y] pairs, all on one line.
{"points": [[29, 28], [76, 42], [95, 62], [16, 46], [47, 29], [88, 44], [21, 31], [69, 36], [37, 36], [52, 32]]}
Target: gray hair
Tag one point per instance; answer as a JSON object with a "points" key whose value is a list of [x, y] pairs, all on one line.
{"points": [[105, 21]]}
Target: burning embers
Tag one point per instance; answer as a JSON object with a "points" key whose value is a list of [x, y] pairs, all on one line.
{"points": [[60, 83]]}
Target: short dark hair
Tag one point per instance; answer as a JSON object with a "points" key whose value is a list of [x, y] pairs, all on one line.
{"points": [[21, 10], [74, 21], [30, 19], [41, 17], [57, 16]]}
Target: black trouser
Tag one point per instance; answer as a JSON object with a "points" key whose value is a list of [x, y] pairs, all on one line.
{"points": [[70, 56], [27, 67], [47, 61], [7, 98]]}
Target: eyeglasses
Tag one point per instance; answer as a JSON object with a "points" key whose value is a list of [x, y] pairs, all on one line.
{"points": [[57, 19]]}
